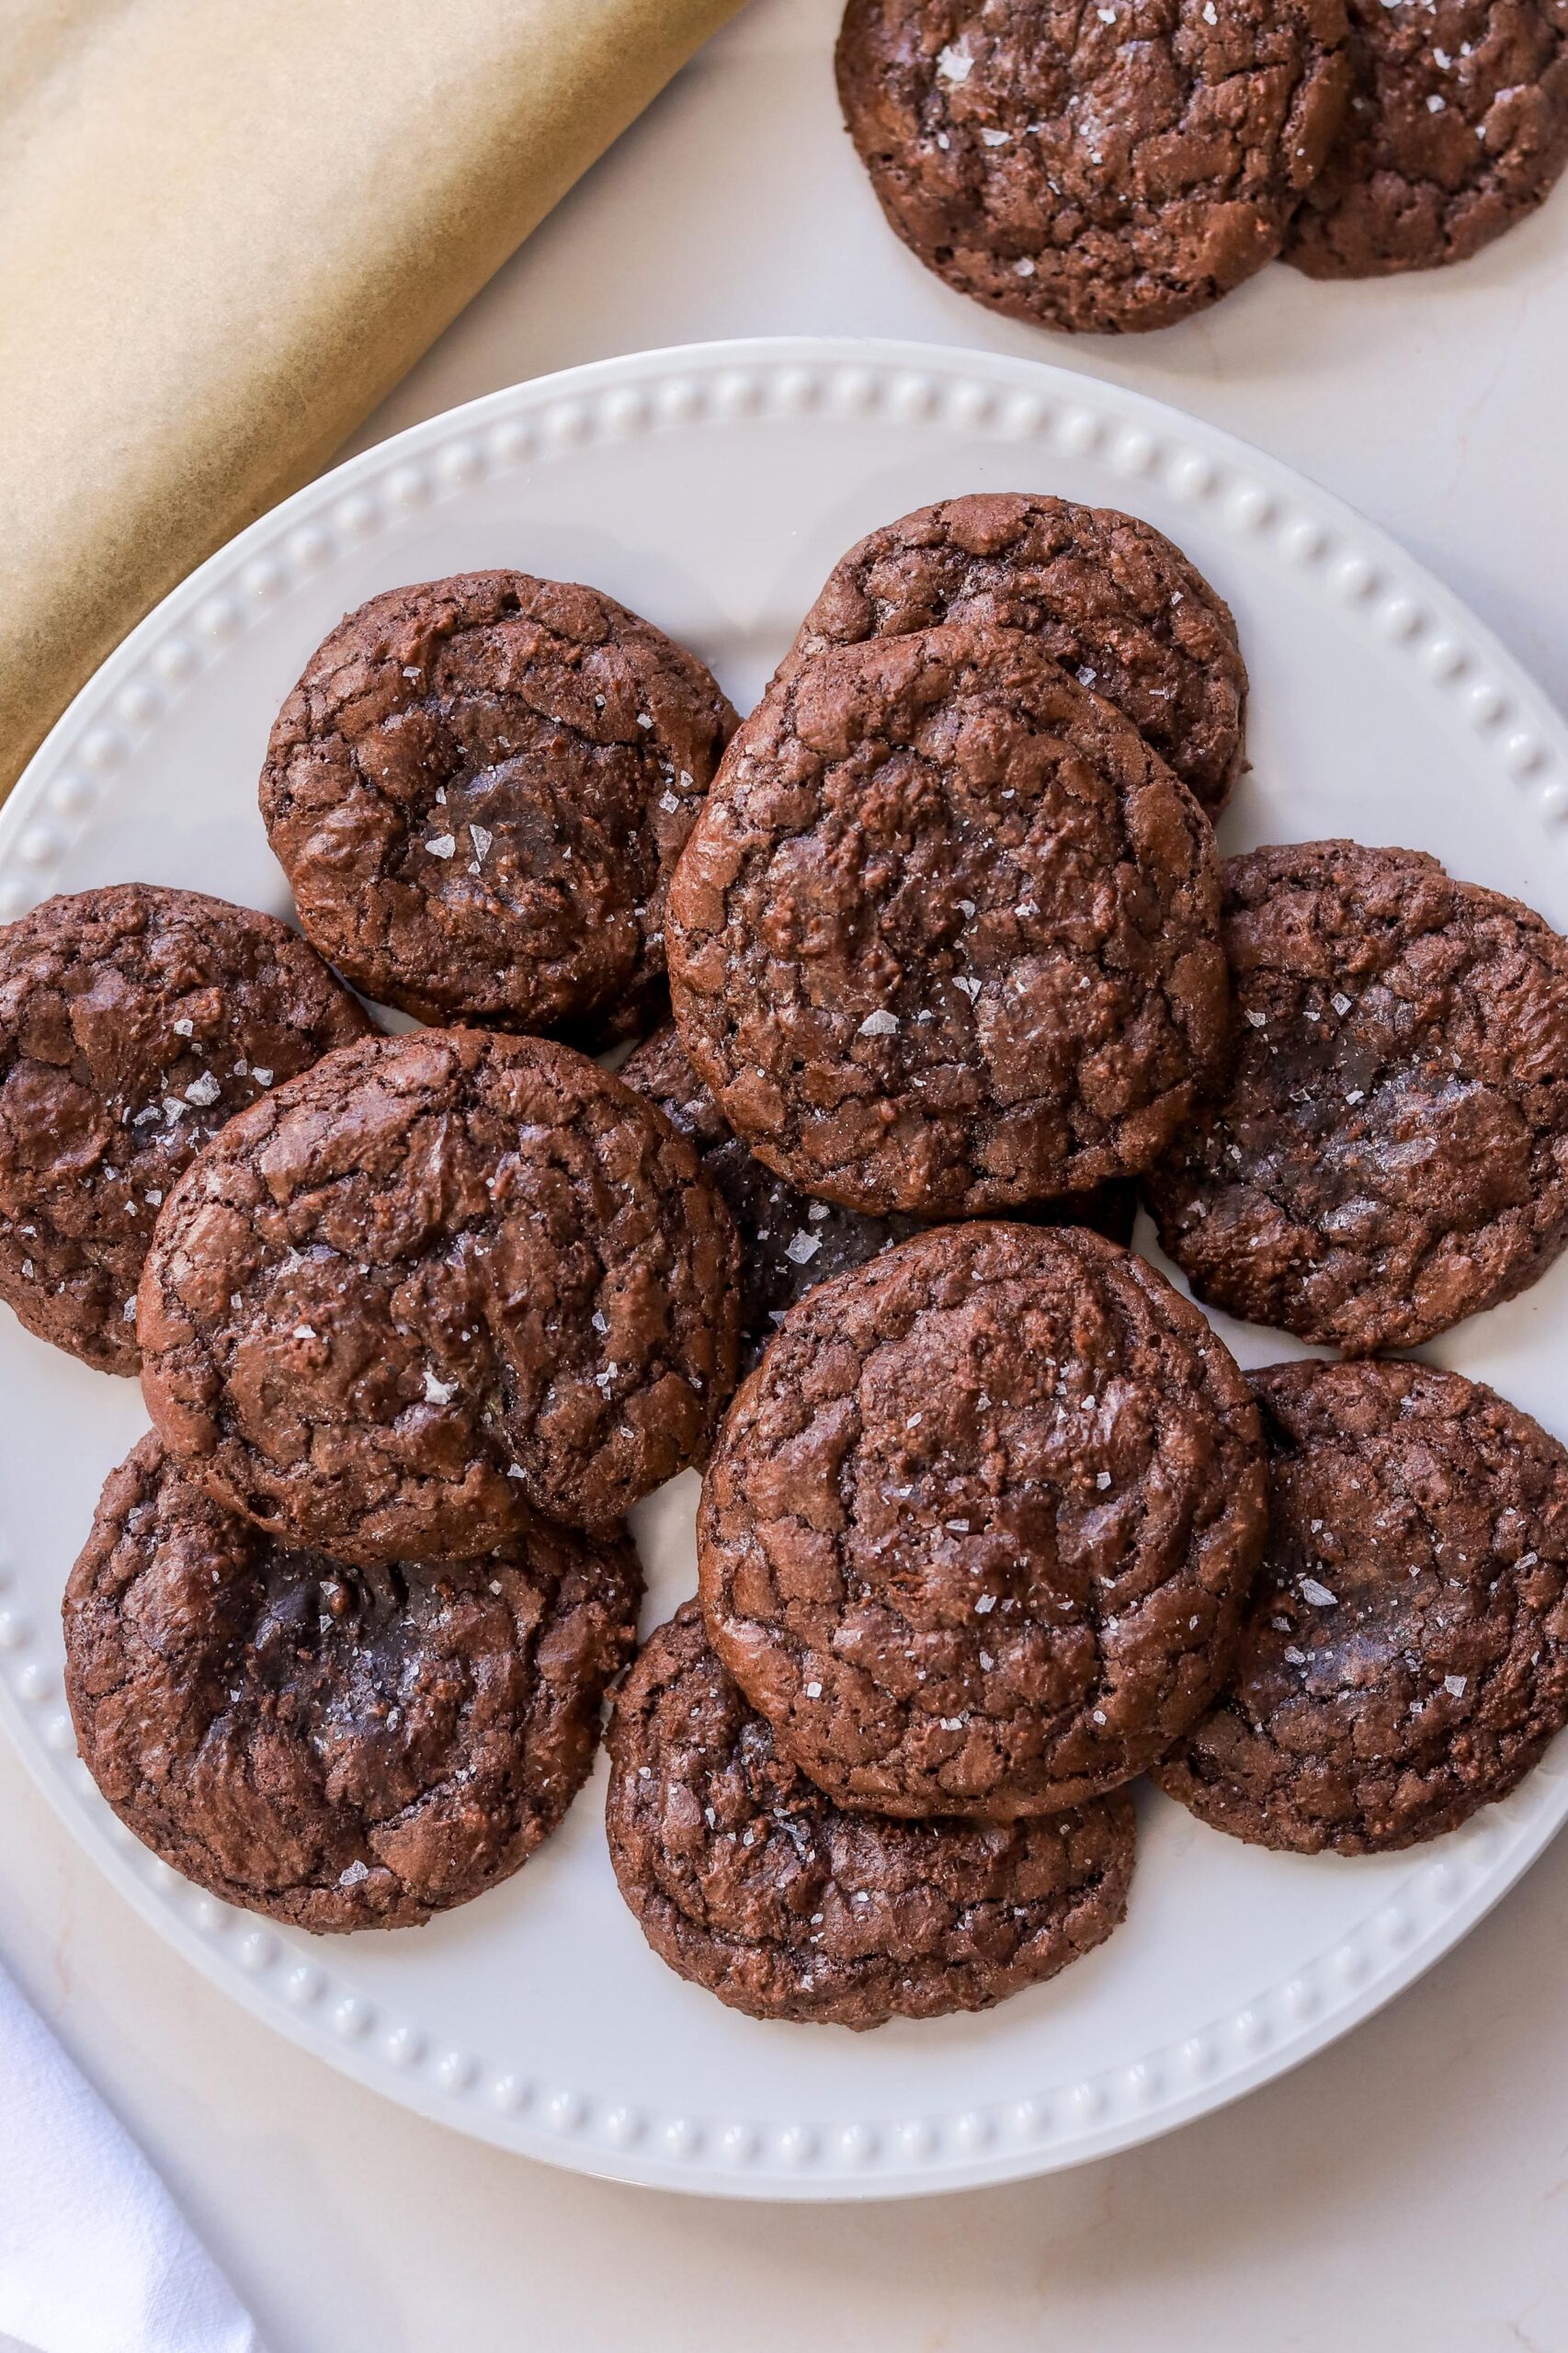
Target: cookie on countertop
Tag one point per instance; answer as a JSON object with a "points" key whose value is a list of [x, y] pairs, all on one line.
{"points": [[1108, 596], [442, 1282], [945, 938], [1389, 1153], [1098, 169], [338, 1747], [478, 791], [1458, 128], [133, 1022], [747, 1880], [977, 1536], [790, 1243], [1405, 1659]]}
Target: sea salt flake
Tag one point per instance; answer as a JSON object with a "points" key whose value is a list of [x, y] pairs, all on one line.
{"points": [[813, 1690], [669, 804], [481, 837], [1258, 1019], [957, 1527], [203, 1090], [262, 1077], [152, 1198], [599, 1320], [1295, 1657], [1211, 14], [441, 845], [1318, 1595], [128, 1310], [173, 1110], [304, 1331], [1455, 1685], [970, 986], [1024, 266], [1340, 1002], [1099, 1715], [879, 1024], [954, 64], [984, 1605], [1357, 1095], [1436, 105], [994, 138], [643, 720], [439, 1392], [1087, 674], [354, 1874], [801, 1247], [183, 1029], [1102, 1478]]}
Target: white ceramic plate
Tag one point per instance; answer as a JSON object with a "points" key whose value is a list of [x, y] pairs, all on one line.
{"points": [[712, 489]]}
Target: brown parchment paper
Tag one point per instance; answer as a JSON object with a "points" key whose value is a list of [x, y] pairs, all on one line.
{"points": [[226, 228]]}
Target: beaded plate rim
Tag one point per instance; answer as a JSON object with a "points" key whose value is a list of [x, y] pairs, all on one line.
{"points": [[1286, 519]]}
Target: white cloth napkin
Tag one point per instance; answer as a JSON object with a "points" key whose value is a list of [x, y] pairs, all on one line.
{"points": [[93, 2258]]}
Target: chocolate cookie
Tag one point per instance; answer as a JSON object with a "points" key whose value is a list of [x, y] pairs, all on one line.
{"points": [[1107, 596], [746, 1879], [790, 1243], [1458, 128], [946, 936], [978, 1533], [478, 791], [1100, 169], [133, 1022], [1405, 1660], [1391, 1150], [338, 1747], [441, 1281]]}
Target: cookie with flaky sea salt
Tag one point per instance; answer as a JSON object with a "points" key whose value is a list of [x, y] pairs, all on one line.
{"points": [[945, 938], [978, 1533], [1098, 169], [1389, 1151], [748, 1881], [441, 1284], [338, 1747], [133, 1022], [1458, 128], [478, 791], [1405, 1658]]}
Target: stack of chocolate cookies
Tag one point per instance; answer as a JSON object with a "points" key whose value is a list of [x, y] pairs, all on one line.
{"points": [[994, 1525], [1106, 169]]}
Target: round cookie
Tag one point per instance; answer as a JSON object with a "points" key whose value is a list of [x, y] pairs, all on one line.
{"points": [[1405, 1659], [1458, 128], [945, 938], [440, 1282], [133, 1022], [1389, 1153], [790, 1243], [1097, 169], [1106, 596], [340, 1748], [478, 791], [747, 1880], [978, 1534]]}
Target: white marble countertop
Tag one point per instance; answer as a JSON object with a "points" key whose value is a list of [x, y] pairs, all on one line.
{"points": [[1410, 2187]]}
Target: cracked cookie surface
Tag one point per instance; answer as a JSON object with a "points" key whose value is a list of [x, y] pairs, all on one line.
{"points": [[440, 1282], [1456, 129], [1099, 169], [478, 791], [1106, 596], [133, 1022], [945, 938], [1389, 1153], [746, 1879], [790, 1243], [337, 1747], [1405, 1658], [978, 1534]]}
